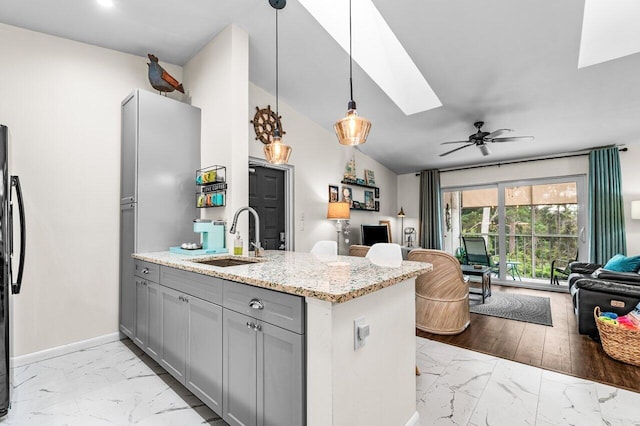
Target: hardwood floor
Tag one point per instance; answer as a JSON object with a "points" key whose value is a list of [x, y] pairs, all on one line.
{"points": [[559, 348]]}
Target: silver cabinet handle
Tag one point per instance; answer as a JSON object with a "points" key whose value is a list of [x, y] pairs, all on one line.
{"points": [[254, 327], [145, 271], [256, 304], [181, 298], [186, 299]]}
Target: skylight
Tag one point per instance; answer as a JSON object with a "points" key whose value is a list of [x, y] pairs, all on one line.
{"points": [[377, 50], [610, 30]]}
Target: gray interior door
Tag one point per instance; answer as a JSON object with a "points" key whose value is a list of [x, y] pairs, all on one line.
{"points": [[266, 196]]}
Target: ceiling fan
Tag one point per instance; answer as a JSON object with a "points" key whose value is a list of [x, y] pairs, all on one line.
{"points": [[480, 139]]}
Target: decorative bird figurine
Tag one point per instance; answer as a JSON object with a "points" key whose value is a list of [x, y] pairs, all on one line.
{"points": [[160, 79]]}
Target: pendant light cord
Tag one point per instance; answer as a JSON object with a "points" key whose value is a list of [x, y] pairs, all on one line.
{"points": [[277, 114], [350, 58]]}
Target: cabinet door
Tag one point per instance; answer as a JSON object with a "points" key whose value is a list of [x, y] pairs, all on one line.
{"points": [[140, 324], [239, 369], [127, 282], [153, 320], [280, 386], [173, 332], [204, 351]]}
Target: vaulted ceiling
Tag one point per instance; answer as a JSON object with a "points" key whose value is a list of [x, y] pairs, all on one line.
{"points": [[510, 63]]}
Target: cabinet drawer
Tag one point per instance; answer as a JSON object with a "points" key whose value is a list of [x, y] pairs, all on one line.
{"points": [[147, 270], [274, 307], [198, 285]]}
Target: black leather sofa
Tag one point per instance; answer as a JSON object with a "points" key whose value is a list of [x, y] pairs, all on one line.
{"points": [[591, 286]]}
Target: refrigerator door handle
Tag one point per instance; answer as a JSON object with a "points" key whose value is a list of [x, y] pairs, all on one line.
{"points": [[15, 287]]}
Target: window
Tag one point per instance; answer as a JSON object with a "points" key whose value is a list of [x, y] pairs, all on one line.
{"points": [[526, 224]]}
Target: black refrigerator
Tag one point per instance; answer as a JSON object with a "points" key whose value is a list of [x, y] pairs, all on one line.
{"points": [[6, 251]]}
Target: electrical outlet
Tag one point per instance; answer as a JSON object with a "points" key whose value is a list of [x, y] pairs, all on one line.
{"points": [[360, 332]]}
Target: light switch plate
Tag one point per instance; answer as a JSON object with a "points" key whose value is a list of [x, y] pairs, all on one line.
{"points": [[360, 332]]}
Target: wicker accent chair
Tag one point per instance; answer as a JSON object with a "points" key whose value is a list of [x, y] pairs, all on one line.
{"points": [[358, 250], [442, 295]]}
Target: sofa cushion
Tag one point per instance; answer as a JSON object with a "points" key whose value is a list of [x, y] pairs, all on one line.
{"points": [[622, 263]]}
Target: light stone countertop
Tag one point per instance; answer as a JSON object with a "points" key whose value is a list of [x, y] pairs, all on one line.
{"points": [[331, 278]]}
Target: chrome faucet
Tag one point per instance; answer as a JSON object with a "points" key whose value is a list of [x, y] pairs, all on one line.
{"points": [[259, 251]]}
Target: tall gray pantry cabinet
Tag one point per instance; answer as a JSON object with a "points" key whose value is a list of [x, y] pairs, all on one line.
{"points": [[159, 156]]}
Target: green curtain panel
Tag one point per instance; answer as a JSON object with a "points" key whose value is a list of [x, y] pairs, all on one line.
{"points": [[606, 213], [430, 211]]}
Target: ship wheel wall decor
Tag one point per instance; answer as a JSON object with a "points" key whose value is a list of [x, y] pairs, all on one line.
{"points": [[265, 123]]}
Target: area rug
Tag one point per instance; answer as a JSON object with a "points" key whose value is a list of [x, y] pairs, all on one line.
{"points": [[517, 307]]}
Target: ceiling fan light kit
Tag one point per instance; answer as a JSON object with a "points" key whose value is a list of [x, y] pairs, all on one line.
{"points": [[352, 129], [276, 152], [481, 139]]}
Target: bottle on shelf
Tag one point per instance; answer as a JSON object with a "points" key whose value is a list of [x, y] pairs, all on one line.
{"points": [[237, 246]]}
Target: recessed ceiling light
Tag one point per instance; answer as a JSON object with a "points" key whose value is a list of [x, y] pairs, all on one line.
{"points": [[610, 30], [377, 50], [105, 3]]}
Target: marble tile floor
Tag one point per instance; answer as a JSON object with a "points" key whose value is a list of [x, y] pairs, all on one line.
{"points": [[117, 384], [462, 387]]}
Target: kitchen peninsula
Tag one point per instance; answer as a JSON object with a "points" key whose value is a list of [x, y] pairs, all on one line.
{"points": [[288, 322]]}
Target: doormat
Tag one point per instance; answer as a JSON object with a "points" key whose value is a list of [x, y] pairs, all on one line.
{"points": [[517, 307]]}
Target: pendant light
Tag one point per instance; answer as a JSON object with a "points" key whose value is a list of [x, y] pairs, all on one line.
{"points": [[276, 152], [352, 129]]}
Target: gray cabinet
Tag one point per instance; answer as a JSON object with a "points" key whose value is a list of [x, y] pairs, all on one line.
{"points": [[127, 281], [263, 363], [141, 322], [239, 369], [280, 375], [190, 344], [204, 352], [145, 301], [153, 320], [173, 337], [160, 149]]}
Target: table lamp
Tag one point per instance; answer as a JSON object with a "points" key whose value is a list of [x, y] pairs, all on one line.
{"points": [[401, 216], [340, 211]]}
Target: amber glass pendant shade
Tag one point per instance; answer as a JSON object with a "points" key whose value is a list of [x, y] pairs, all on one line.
{"points": [[352, 129], [277, 152]]}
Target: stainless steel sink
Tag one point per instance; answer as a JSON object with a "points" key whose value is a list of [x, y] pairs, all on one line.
{"points": [[225, 262]]}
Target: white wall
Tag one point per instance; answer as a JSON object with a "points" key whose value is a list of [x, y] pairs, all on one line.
{"points": [[218, 77], [409, 200], [61, 102], [320, 161]]}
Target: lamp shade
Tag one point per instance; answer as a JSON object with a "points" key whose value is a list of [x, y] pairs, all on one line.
{"points": [[352, 129], [339, 211], [635, 209], [276, 152], [401, 212]]}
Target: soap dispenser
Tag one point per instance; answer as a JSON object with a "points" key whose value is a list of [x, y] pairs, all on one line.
{"points": [[237, 246]]}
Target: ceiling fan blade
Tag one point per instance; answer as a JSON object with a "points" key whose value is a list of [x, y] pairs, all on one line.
{"points": [[457, 149], [446, 143], [497, 133], [512, 139]]}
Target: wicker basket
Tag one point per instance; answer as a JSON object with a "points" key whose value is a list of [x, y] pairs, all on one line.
{"points": [[619, 343]]}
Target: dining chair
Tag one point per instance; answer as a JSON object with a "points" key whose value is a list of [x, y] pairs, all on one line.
{"points": [[325, 247], [385, 254]]}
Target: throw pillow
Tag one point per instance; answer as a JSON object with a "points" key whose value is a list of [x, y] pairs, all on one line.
{"points": [[621, 263]]}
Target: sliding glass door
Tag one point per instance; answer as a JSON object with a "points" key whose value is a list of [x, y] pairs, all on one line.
{"points": [[526, 225]]}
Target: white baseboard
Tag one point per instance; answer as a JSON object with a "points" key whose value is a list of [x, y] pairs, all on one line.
{"points": [[19, 361], [414, 420]]}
